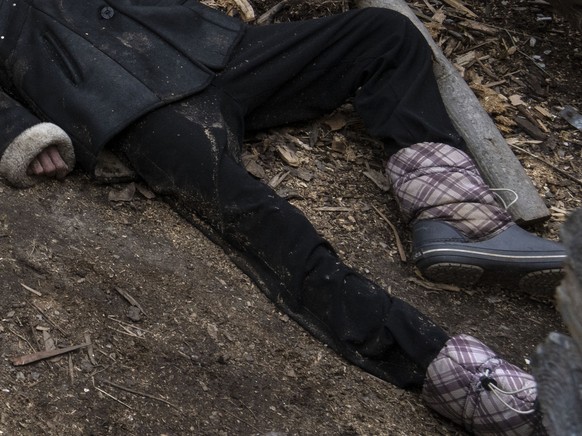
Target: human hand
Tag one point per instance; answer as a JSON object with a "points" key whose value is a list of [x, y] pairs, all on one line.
{"points": [[49, 163]]}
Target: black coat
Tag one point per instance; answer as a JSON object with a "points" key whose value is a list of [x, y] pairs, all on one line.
{"points": [[93, 67]]}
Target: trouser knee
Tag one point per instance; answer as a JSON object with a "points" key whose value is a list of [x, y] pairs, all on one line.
{"points": [[385, 22]]}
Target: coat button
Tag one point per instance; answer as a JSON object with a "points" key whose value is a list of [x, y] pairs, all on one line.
{"points": [[107, 12]]}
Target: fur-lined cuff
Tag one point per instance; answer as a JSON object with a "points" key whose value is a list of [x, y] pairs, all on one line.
{"points": [[26, 146]]}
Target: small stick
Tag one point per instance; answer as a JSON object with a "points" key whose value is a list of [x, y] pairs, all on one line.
{"points": [[435, 286], [333, 209], [399, 245], [130, 299], [34, 291], [133, 335], [22, 338], [107, 355], [242, 420], [113, 398], [48, 319], [90, 351], [268, 16], [41, 355], [71, 369], [132, 325], [245, 406], [143, 394]]}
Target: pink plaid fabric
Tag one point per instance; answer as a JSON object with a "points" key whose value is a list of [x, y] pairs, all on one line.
{"points": [[437, 181], [454, 388]]}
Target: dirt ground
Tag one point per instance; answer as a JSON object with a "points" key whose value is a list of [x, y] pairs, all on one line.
{"points": [[199, 350]]}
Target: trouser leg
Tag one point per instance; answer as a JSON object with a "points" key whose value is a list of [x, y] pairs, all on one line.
{"points": [[297, 71], [181, 157]]}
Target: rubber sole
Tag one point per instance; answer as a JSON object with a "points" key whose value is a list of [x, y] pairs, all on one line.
{"points": [[541, 283]]}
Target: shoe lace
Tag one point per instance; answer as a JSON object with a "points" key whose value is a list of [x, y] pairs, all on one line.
{"points": [[490, 384], [505, 205]]}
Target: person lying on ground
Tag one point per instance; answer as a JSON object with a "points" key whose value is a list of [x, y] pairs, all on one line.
{"points": [[172, 86]]}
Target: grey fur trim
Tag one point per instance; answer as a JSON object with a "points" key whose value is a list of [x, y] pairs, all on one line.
{"points": [[26, 146]]}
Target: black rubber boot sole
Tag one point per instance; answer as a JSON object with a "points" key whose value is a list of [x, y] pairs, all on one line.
{"points": [[537, 283], [513, 258]]}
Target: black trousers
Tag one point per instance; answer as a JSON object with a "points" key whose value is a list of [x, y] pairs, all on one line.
{"points": [[189, 152]]}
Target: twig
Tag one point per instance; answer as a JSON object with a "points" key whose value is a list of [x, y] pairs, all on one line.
{"points": [[268, 16], [245, 406], [435, 286], [561, 171], [22, 338], [106, 355], [41, 355], [399, 245], [71, 369], [48, 319], [130, 325], [534, 62], [143, 394], [113, 398], [333, 209], [130, 299], [242, 420], [90, 351], [133, 335], [460, 7], [34, 291]]}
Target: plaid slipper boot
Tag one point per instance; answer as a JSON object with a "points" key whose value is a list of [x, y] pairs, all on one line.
{"points": [[469, 384], [460, 234]]}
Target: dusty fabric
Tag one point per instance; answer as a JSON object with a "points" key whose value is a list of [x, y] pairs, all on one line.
{"points": [[190, 153], [437, 181], [457, 386], [94, 67]]}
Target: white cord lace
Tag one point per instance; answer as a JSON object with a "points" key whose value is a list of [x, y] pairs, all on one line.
{"points": [[496, 391], [489, 384], [505, 205]]}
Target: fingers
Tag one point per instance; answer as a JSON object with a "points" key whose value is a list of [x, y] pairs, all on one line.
{"points": [[49, 163], [35, 168], [49, 168], [61, 168]]}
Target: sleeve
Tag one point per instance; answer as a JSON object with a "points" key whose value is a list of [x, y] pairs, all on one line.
{"points": [[22, 137]]}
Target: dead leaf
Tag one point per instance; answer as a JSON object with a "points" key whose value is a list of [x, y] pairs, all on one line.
{"points": [[303, 174], [110, 169], [288, 155], [516, 100], [466, 58], [145, 191], [339, 143], [276, 181], [298, 142], [335, 122], [379, 179], [124, 194], [439, 17], [251, 164]]}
